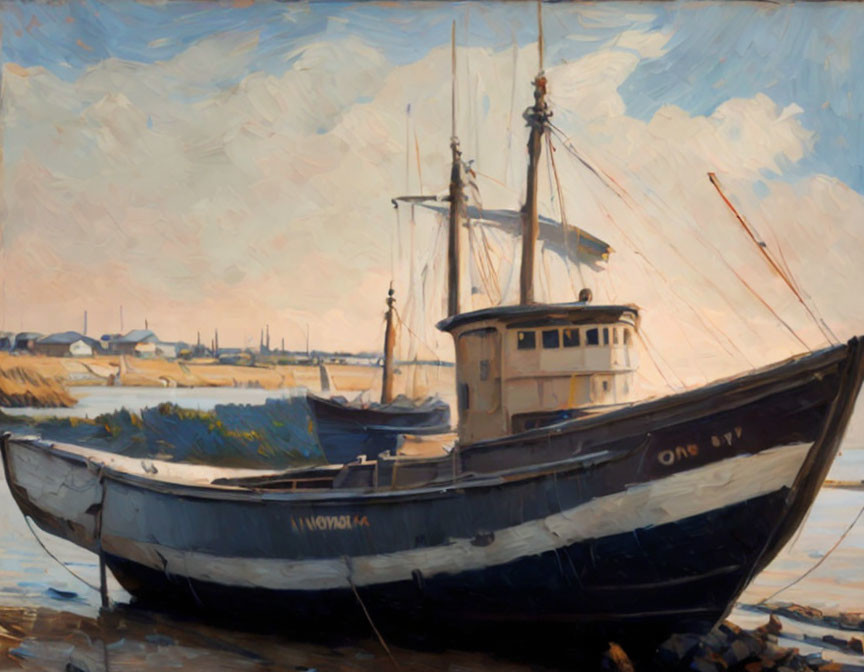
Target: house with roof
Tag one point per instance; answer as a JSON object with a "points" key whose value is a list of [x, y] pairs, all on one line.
{"points": [[136, 342], [25, 341], [66, 344]]}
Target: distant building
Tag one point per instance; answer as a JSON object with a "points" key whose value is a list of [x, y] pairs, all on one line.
{"points": [[144, 349], [66, 344], [166, 350], [7, 339], [235, 356], [129, 344], [25, 341]]}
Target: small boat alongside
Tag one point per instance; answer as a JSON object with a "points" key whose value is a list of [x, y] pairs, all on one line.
{"points": [[347, 430]]}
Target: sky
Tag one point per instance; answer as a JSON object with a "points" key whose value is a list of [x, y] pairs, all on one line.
{"points": [[231, 165]]}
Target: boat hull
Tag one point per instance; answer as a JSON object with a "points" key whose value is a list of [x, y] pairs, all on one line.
{"points": [[344, 432], [642, 586], [646, 521]]}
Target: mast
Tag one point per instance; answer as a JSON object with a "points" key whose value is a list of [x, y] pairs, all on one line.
{"points": [[389, 344], [537, 117], [456, 195]]}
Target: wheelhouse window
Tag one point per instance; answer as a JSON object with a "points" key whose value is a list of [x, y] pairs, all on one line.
{"points": [[592, 337], [526, 340], [605, 335], [627, 337], [570, 338], [615, 336], [550, 339]]}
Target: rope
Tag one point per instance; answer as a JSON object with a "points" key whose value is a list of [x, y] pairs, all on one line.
{"points": [[56, 559], [608, 182], [415, 335], [369, 617], [821, 560], [551, 153], [763, 249]]}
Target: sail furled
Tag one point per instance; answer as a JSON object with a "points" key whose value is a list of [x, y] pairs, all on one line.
{"points": [[568, 241]]}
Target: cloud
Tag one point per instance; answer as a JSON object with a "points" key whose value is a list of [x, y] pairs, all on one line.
{"points": [[201, 205]]}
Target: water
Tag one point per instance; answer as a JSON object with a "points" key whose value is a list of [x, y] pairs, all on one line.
{"points": [[93, 401]]}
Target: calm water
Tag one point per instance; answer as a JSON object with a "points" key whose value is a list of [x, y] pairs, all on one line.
{"points": [[93, 401], [30, 578]]}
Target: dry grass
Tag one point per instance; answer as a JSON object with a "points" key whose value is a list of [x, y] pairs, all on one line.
{"points": [[21, 385], [39, 375]]}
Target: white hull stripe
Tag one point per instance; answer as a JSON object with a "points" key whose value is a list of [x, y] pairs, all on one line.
{"points": [[667, 500]]}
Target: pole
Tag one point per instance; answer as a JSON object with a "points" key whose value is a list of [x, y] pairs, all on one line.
{"points": [[389, 344], [537, 117], [456, 195]]}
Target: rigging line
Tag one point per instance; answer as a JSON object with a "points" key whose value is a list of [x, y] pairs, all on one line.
{"points": [[820, 561], [543, 258], [419, 167], [56, 559], [408, 151], [475, 262], [412, 227], [763, 249], [680, 326], [423, 342], [369, 616], [628, 200], [492, 271], [512, 107], [478, 261], [488, 177], [564, 225], [648, 348], [714, 329], [795, 282]]}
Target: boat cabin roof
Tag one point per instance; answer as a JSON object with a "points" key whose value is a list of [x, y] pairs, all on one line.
{"points": [[542, 314]]}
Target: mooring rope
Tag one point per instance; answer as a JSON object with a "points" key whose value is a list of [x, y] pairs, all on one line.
{"points": [[369, 616], [55, 558], [820, 561]]}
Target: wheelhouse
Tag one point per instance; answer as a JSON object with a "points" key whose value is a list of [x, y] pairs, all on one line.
{"points": [[520, 367]]}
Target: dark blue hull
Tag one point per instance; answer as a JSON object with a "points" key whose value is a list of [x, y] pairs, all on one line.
{"points": [[631, 587], [344, 431]]}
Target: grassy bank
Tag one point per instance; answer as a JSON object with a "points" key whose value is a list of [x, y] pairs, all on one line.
{"points": [[23, 385]]}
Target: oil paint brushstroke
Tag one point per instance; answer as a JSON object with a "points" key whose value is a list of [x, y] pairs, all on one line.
{"points": [[655, 313]]}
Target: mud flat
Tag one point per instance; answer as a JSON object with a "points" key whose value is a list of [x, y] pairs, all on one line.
{"points": [[123, 638]]}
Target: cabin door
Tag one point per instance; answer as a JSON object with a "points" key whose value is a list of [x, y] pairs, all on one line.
{"points": [[478, 387]]}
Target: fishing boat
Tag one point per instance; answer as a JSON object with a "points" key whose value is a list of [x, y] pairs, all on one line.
{"points": [[565, 508], [348, 429]]}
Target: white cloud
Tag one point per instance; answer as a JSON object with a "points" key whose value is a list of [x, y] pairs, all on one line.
{"points": [[269, 200]]}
